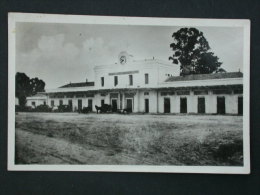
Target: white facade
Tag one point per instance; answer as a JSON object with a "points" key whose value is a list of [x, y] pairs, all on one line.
{"points": [[36, 100], [153, 86], [157, 71]]}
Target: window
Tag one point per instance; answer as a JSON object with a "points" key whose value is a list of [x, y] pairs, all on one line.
{"points": [[201, 92], [146, 93], [146, 78], [44, 102], [102, 102], [164, 93], [70, 96], [102, 81], [183, 92], [238, 91], [61, 102], [33, 103], [130, 79], [115, 80], [222, 91], [80, 95], [52, 103], [60, 96], [89, 95]]}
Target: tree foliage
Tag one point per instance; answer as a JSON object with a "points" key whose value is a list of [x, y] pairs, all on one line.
{"points": [[192, 51], [27, 87], [36, 85]]}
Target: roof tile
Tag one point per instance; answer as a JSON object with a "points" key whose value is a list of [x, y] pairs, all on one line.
{"points": [[205, 76], [82, 84]]}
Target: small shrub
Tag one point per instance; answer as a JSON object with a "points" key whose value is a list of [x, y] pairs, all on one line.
{"points": [[64, 108], [42, 108], [19, 108], [85, 110]]}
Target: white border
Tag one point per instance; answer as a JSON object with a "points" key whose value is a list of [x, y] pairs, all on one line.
{"points": [[79, 19]]}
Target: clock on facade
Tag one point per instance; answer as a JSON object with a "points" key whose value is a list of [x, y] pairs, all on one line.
{"points": [[122, 59]]}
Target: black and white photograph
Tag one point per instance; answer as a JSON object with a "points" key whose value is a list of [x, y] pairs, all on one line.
{"points": [[128, 94]]}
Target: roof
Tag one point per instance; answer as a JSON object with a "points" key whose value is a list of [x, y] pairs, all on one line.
{"points": [[41, 94], [205, 76], [82, 84], [38, 96]]}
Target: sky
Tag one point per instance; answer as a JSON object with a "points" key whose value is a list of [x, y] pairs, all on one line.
{"points": [[63, 53]]}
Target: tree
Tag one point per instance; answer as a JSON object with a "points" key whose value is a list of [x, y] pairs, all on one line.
{"points": [[22, 87], [192, 51], [27, 87], [36, 85]]}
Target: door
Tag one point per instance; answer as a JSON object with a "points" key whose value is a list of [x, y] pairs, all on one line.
{"points": [[90, 104], [201, 105], [70, 105], [114, 105], [221, 107], [167, 105], [146, 102], [102, 102], [183, 105], [129, 105], [79, 105], [240, 105]]}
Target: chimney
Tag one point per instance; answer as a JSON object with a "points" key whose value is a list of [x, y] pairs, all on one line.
{"points": [[86, 80]]}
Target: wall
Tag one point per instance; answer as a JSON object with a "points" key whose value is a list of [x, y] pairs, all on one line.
{"points": [[37, 102], [74, 102], [156, 69], [157, 104], [152, 101], [231, 103]]}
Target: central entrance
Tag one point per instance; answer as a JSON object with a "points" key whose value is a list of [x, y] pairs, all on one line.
{"points": [[114, 105], [129, 105]]}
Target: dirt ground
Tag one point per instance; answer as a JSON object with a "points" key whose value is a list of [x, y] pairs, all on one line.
{"points": [[71, 138]]}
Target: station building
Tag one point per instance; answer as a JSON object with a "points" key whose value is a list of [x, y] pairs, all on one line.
{"points": [[152, 86], [36, 100]]}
